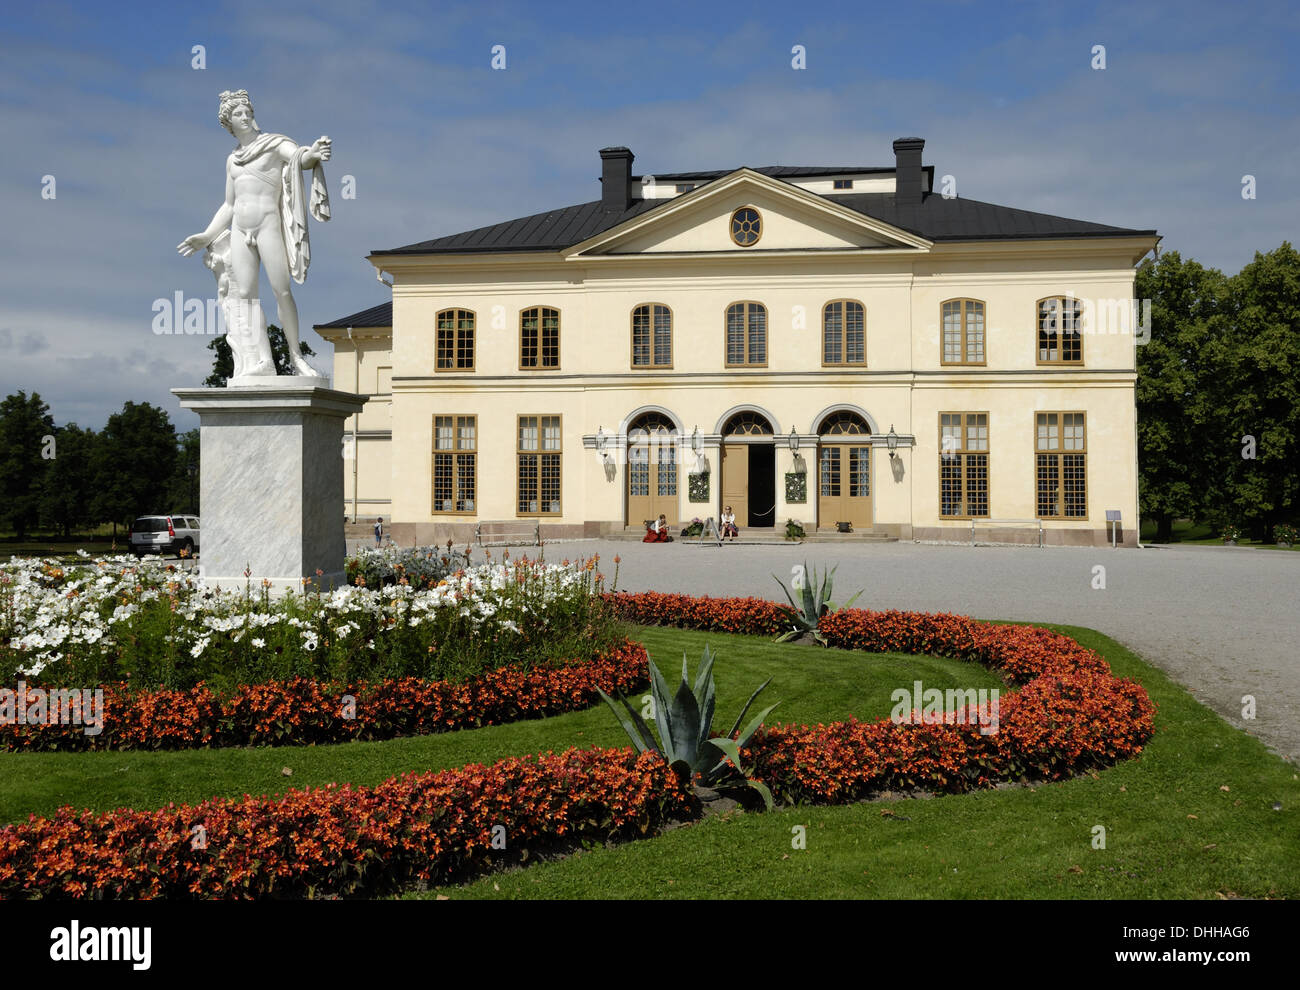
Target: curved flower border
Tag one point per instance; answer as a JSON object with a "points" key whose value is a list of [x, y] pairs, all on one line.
{"points": [[1069, 714], [302, 711]]}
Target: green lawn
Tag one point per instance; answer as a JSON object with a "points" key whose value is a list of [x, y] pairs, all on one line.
{"points": [[843, 685], [1017, 842], [1201, 534], [1191, 818]]}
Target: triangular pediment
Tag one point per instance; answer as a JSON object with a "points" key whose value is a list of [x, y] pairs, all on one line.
{"points": [[791, 219]]}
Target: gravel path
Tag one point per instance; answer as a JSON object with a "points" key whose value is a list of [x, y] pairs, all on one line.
{"points": [[1223, 622]]}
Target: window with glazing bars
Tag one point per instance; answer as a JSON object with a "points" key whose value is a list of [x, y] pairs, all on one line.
{"points": [[652, 336], [455, 341], [844, 336], [746, 335], [455, 463], [1061, 465], [963, 331], [1060, 340], [539, 338], [963, 465], [539, 455]]}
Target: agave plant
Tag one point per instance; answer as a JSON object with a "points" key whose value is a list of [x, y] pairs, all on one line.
{"points": [[806, 614], [685, 721]]}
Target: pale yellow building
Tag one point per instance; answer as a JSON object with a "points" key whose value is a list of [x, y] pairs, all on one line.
{"points": [[830, 345]]}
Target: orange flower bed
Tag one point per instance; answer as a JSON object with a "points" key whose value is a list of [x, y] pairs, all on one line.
{"points": [[303, 711], [1069, 715], [343, 840]]}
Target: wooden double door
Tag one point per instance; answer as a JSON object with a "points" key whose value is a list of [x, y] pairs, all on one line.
{"points": [[652, 479], [844, 485]]}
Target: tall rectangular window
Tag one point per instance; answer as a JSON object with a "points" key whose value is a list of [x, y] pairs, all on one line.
{"points": [[455, 341], [455, 463], [746, 335], [963, 465], [539, 338], [1061, 465], [1060, 340], [652, 336], [844, 333], [963, 331], [539, 454]]}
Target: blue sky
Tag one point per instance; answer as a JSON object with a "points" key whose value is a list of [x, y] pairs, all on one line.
{"points": [[104, 98]]}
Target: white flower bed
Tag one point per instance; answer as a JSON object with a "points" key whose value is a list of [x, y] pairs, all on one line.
{"points": [[48, 609]]}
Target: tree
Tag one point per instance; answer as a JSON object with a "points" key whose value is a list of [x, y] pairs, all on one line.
{"points": [[133, 461], [223, 361], [183, 487], [1255, 386], [25, 432], [1173, 369], [69, 482]]}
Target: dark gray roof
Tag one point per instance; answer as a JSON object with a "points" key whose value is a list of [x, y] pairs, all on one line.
{"points": [[935, 218], [939, 219], [375, 316]]}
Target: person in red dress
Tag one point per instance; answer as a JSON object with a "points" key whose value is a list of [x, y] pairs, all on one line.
{"points": [[657, 531]]}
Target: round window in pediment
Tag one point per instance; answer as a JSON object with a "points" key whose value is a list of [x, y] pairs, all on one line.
{"points": [[746, 226]]}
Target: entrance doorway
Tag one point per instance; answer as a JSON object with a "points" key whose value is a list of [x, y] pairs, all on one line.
{"points": [[844, 471], [749, 469], [651, 469]]}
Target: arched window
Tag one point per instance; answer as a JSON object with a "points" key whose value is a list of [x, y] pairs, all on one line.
{"points": [[454, 348], [539, 338], [1059, 324], [652, 336], [650, 424], [843, 423], [844, 333], [963, 331], [746, 335], [747, 424]]}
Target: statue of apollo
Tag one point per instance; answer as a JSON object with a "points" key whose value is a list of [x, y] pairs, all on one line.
{"points": [[264, 217]]}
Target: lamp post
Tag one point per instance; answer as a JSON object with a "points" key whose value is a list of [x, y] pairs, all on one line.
{"points": [[892, 441]]}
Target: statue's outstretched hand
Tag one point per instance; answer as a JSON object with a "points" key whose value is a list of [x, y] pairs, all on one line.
{"points": [[321, 148], [195, 242]]}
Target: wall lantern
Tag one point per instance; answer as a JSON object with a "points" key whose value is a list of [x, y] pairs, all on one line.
{"points": [[695, 440], [602, 441], [794, 440], [892, 440]]}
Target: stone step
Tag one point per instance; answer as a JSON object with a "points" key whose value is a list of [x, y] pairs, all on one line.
{"points": [[858, 536]]}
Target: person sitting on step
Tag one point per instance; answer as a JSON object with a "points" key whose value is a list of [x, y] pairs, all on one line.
{"points": [[657, 531], [729, 530]]}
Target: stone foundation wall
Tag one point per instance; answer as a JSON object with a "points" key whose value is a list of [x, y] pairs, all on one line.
{"points": [[1023, 535]]}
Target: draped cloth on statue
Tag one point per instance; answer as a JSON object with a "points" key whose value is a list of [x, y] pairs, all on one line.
{"points": [[294, 205]]}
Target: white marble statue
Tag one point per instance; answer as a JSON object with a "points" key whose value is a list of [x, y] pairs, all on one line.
{"points": [[264, 217]]}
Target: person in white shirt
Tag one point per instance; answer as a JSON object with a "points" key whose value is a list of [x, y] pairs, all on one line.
{"points": [[729, 530]]}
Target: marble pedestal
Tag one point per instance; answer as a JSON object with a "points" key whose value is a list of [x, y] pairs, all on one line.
{"points": [[271, 481]]}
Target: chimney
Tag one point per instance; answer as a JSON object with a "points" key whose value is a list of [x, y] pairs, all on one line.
{"points": [[615, 179], [907, 171]]}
